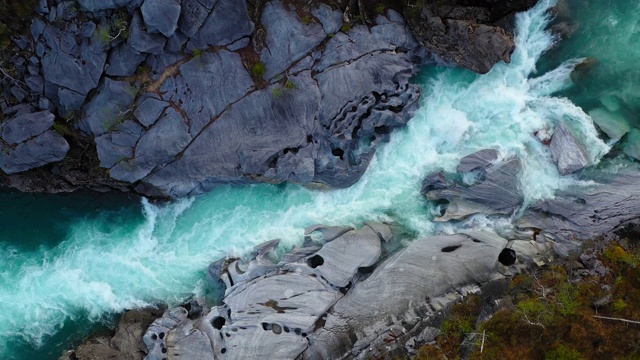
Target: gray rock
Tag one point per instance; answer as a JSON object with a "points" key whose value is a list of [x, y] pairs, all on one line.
{"points": [[159, 145], [161, 16], [426, 269], [466, 35], [124, 61], [193, 14], [331, 19], [567, 151], [228, 22], [109, 107], [69, 100], [35, 83], [612, 124], [582, 212], [95, 5], [149, 110], [494, 190], [24, 127], [631, 145], [342, 257], [288, 39], [329, 233], [44, 149], [197, 76], [140, 40], [87, 29], [75, 65], [246, 140]]}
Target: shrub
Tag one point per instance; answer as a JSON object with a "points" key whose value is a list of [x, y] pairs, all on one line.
{"points": [[259, 70]]}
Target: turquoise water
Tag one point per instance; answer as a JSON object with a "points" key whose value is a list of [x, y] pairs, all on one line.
{"points": [[69, 263]]}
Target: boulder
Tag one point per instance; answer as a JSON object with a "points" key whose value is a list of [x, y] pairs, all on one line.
{"points": [[161, 16], [612, 124], [288, 39], [228, 21], [41, 150], [96, 5], [491, 187], [143, 42], [567, 151], [631, 145]]}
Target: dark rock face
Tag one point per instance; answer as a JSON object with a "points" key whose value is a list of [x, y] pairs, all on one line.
{"points": [[177, 96], [465, 32]]}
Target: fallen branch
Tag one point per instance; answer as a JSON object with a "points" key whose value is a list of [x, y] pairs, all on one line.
{"points": [[482, 345], [617, 319]]}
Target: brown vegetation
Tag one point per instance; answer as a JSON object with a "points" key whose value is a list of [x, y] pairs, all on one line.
{"points": [[559, 312]]}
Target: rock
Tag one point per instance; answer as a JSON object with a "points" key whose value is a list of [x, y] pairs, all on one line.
{"points": [[25, 126], [567, 151], [288, 39], [197, 77], [612, 124], [96, 5], [342, 257], [330, 19], [109, 107], [424, 270], [161, 16], [583, 212], [71, 63], [228, 22], [466, 34], [159, 145], [192, 16], [149, 110], [124, 61], [41, 150], [493, 189], [632, 144], [329, 233]]}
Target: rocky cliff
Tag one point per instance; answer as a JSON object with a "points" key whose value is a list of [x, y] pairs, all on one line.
{"points": [[168, 98]]}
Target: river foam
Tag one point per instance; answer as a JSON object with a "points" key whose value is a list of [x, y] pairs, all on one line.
{"points": [[110, 263]]}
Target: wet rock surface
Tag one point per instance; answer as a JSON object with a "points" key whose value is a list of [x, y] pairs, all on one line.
{"points": [[472, 34], [327, 300]]}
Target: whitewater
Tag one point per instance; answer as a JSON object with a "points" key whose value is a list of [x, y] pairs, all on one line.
{"points": [[130, 258]]}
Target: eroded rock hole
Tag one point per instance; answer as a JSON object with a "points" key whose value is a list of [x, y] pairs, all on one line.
{"points": [[298, 331], [161, 335], [364, 270], [218, 322], [381, 130], [164, 350], [266, 326], [286, 329], [452, 248], [154, 337], [277, 329], [315, 261], [507, 257], [338, 153], [223, 350]]}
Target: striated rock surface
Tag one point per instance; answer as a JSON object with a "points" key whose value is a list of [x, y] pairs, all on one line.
{"points": [[567, 151], [487, 186], [330, 302], [177, 96]]}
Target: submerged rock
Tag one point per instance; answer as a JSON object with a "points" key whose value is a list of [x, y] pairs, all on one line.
{"points": [[466, 34]]}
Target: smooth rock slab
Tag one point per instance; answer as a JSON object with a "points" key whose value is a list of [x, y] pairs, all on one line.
{"points": [[228, 22], [567, 151]]}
